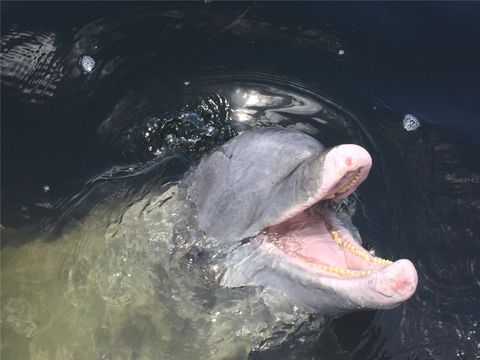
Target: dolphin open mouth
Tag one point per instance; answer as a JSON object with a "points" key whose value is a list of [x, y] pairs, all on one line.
{"points": [[318, 239], [311, 234], [312, 237]]}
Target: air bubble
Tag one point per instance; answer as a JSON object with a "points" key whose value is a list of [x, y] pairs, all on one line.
{"points": [[87, 63], [410, 123], [46, 188], [341, 52]]}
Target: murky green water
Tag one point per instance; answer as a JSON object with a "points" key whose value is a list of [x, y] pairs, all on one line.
{"points": [[118, 285], [98, 291]]}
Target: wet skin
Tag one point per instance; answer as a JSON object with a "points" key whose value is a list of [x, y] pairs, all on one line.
{"points": [[261, 198]]}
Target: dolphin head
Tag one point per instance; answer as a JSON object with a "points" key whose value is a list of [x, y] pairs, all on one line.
{"points": [[262, 197]]}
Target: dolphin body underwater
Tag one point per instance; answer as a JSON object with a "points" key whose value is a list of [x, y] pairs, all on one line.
{"points": [[212, 267]]}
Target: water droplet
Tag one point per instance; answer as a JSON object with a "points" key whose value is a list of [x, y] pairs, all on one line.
{"points": [[169, 139], [46, 188], [186, 83], [87, 63], [341, 52], [410, 123], [211, 130]]}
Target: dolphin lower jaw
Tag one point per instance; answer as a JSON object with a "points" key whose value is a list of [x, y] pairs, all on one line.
{"points": [[384, 287], [296, 282]]}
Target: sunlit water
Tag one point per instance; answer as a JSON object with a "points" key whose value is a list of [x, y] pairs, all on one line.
{"points": [[109, 273]]}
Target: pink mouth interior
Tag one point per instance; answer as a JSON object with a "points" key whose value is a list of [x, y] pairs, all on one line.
{"points": [[306, 237]]}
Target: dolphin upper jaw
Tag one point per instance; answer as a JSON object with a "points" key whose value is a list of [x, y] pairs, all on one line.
{"points": [[322, 177]]}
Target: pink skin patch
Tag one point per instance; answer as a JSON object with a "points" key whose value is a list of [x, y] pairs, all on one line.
{"points": [[396, 280], [348, 161]]}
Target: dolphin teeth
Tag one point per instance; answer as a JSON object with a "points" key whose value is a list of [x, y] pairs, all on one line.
{"points": [[334, 269], [354, 179], [350, 247], [352, 182], [381, 261]]}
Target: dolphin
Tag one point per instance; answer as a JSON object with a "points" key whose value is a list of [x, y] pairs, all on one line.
{"points": [[234, 257], [263, 196]]}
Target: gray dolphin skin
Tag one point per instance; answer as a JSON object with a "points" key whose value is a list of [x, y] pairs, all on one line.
{"points": [[261, 196]]}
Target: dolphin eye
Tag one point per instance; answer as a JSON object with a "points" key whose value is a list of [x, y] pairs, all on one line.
{"points": [[244, 241]]}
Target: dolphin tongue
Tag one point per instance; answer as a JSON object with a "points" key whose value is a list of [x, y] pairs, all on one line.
{"points": [[306, 237]]}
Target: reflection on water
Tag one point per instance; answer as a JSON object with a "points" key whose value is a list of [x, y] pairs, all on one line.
{"points": [[145, 131], [26, 57]]}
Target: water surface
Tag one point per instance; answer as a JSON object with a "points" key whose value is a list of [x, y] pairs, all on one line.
{"points": [[76, 156]]}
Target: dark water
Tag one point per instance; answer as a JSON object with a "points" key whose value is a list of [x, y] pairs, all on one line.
{"points": [[373, 62]]}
